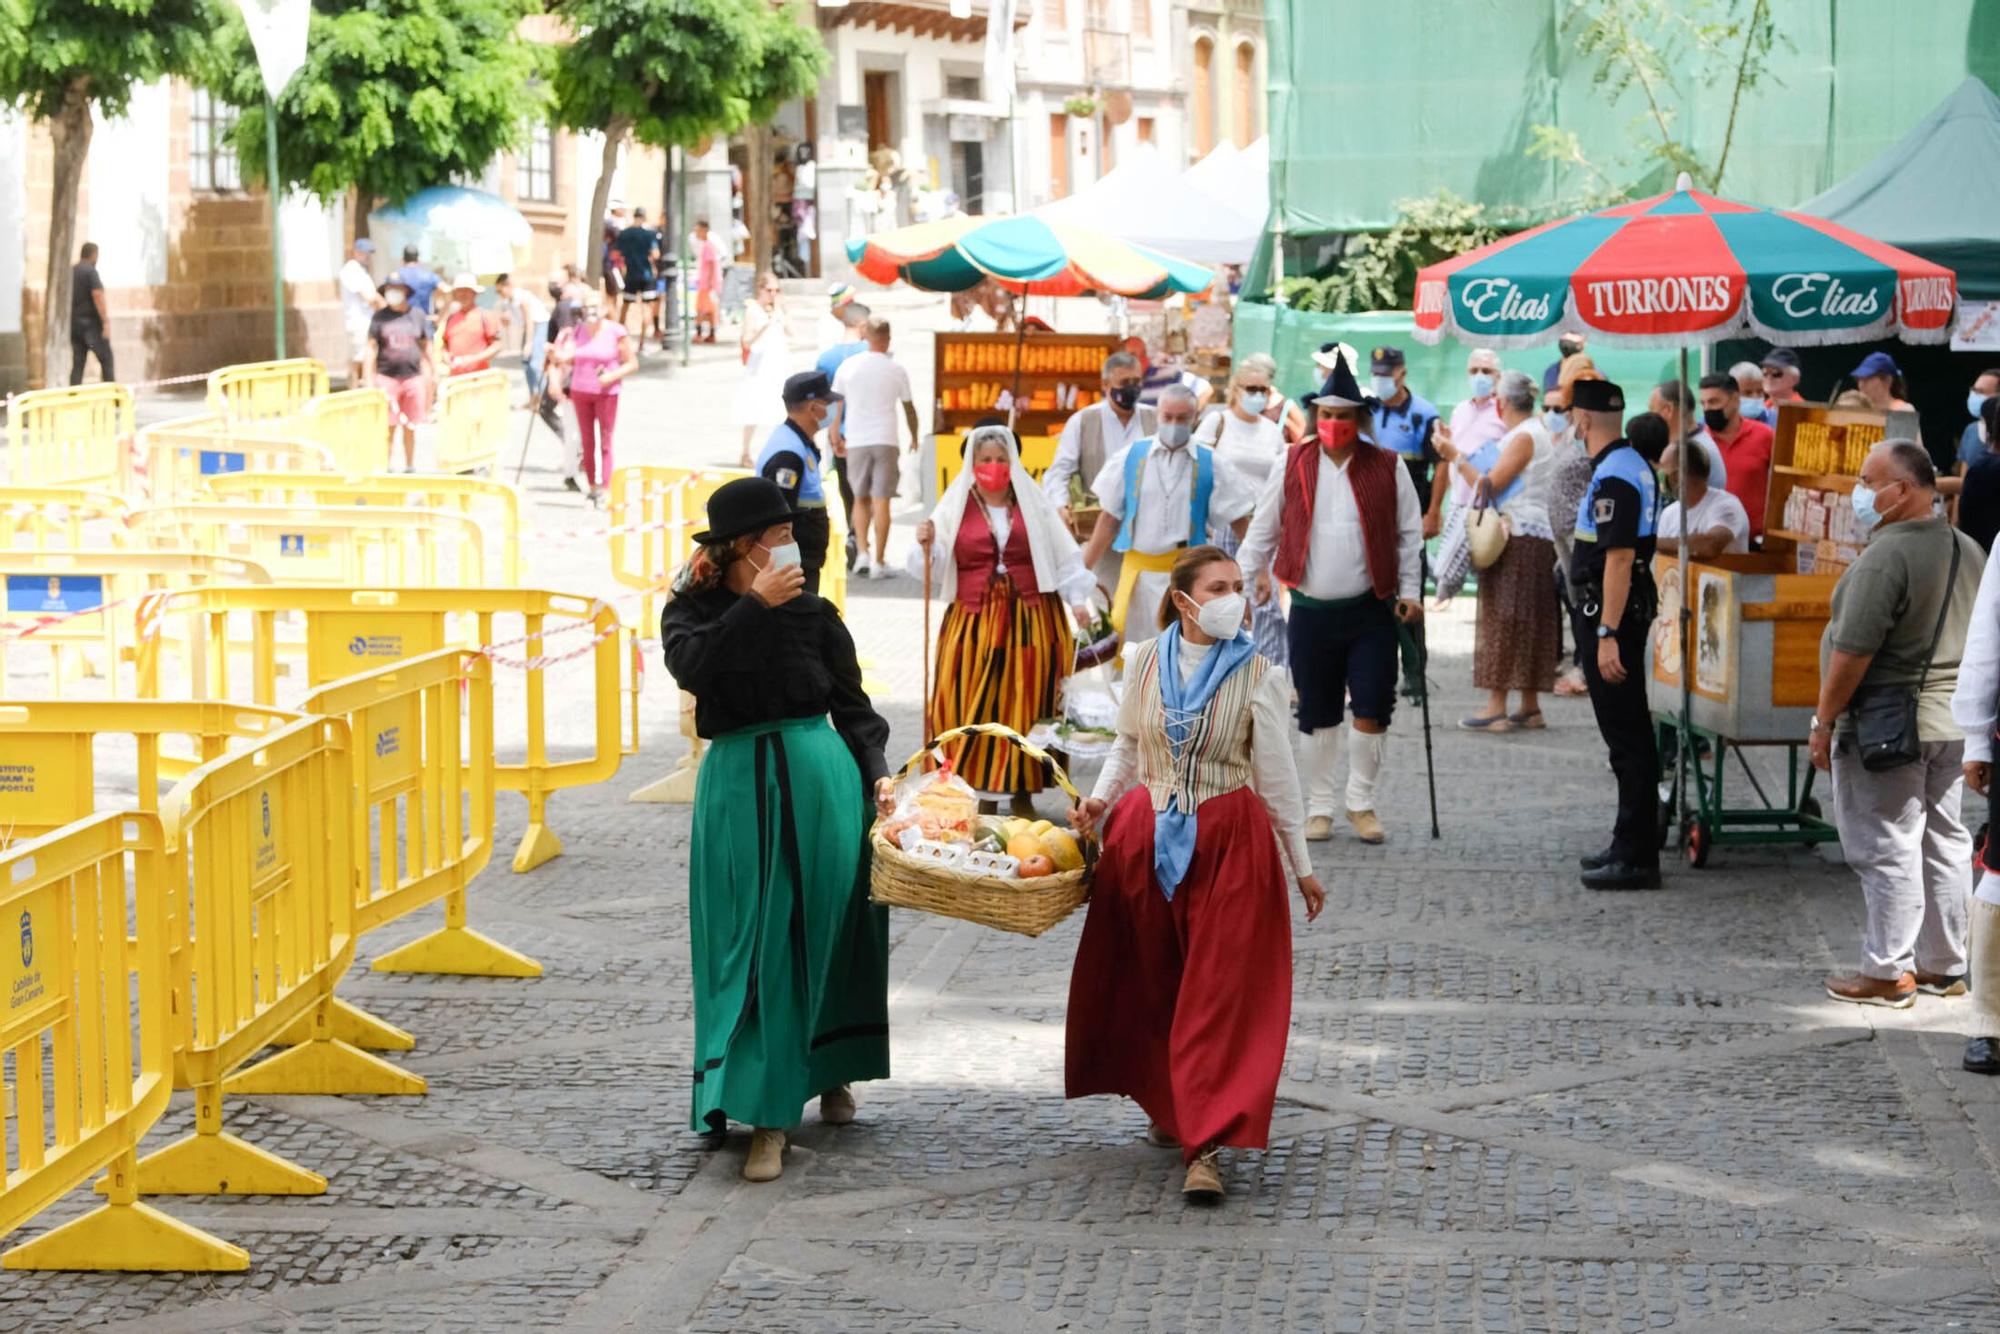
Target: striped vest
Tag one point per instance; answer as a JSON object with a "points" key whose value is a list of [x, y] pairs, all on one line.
{"points": [[1217, 758]]}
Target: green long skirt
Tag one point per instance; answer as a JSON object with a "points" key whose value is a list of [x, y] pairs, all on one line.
{"points": [[791, 960]]}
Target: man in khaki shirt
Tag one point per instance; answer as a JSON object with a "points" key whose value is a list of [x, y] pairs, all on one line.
{"points": [[1900, 828]]}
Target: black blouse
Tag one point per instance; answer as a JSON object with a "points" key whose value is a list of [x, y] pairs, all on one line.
{"points": [[746, 664]]}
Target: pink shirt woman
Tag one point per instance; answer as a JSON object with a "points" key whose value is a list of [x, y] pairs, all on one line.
{"points": [[599, 354]]}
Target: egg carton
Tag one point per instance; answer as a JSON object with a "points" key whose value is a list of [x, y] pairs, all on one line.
{"points": [[940, 854], [990, 863]]}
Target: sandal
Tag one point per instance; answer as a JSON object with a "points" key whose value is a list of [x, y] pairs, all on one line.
{"points": [[1499, 722], [1528, 721]]}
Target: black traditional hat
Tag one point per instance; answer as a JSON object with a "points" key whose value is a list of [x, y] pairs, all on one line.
{"points": [[1340, 389], [746, 505], [1596, 396]]}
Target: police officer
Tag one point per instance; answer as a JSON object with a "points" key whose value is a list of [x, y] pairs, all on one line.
{"points": [[791, 458], [1404, 422], [1611, 590]]}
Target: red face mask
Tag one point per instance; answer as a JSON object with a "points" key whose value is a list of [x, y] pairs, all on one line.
{"points": [[992, 476], [1336, 434]]}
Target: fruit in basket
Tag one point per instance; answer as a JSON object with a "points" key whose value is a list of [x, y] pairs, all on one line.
{"points": [[1011, 827], [1024, 845], [1061, 849], [1036, 866]]}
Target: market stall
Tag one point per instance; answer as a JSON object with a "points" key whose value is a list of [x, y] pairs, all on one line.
{"points": [[1040, 377]]}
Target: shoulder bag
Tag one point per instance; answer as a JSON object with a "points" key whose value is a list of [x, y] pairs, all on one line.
{"points": [[1885, 716]]}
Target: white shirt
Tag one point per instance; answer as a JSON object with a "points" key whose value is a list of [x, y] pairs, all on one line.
{"points": [[1718, 467], [1166, 497], [1716, 509], [1069, 448], [1473, 423], [357, 293], [1336, 556], [1274, 776], [1251, 447], [1074, 583], [873, 384]]}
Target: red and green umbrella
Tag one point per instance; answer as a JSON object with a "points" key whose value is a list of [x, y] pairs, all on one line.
{"points": [[1025, 255], [1686, 267]]}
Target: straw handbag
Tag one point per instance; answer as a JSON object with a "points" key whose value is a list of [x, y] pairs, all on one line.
{"points": [[1005, 903]]}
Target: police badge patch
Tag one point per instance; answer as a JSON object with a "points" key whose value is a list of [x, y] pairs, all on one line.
{"points": [[1604, 510], [787, 478]]}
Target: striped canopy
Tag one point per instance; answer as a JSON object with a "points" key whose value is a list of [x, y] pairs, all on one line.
{"points": [[1686, 267], [1024, 255]]}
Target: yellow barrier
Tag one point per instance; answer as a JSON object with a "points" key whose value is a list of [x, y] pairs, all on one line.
{"points": [[74, 436], [495, 504], [69, 601], [259, 929], [1037, 453], [180, 455], [44, 518], [264, 390], [74, 1001], [471, 421], [345, 546], [350, 628], [353, 425], [48, 751]]}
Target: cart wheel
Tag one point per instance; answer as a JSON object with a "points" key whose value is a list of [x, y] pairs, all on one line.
{"points": [[1667, 818], [1695, 843], [1809, 808]]}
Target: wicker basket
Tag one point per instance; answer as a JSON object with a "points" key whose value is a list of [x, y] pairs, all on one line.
{"points": [[1026, 907]]}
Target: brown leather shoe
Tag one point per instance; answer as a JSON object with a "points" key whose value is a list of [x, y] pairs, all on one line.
{"points": [[766, 1159], [836, 1106], [1204, 1180], [1366, 827], [1942, 984], [1319, 828], [1860, 989]]}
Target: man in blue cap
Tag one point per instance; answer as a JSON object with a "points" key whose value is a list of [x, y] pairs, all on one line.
{"points": [[1880, 380], [1404, 421], [791, 460], [1613, 601]]}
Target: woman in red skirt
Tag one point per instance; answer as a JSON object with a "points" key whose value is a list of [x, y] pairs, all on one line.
{"points": [[1182, 993]]}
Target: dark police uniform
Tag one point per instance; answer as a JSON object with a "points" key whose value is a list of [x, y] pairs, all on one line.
{"points": [[1618, 512], [791, 459]]}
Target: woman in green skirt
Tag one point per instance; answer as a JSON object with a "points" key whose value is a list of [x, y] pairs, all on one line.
{"points": [[790, 957]]}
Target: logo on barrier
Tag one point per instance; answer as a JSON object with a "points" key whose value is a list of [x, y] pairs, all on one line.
{"points": [[376, 646], [27, 939], [388, 741], [291, 544], [264, 812]]}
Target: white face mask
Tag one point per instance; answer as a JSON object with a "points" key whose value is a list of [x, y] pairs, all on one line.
{"points": [[1384, 386], [1220, 617], [1256, 400], [781, 556]]}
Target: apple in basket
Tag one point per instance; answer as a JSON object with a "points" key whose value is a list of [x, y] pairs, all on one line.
{"points": [[1036, 866]]}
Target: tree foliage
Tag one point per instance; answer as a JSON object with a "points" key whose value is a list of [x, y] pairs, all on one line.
{"points": [[1378, 271], [1668, 51], [676, 71], [395, 95], [100, 48]]}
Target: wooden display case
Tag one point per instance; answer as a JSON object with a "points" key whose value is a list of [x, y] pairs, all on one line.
{"points": [[1060, 373], [1815, 460], [1757, 628]]}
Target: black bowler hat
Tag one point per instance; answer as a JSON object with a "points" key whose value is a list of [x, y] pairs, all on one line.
{"points": [[1596, 396], [1384, 360], [807, 386], [746, 505]]}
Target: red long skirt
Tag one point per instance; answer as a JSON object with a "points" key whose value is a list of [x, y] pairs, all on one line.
{"points": [[1184, 1005]]}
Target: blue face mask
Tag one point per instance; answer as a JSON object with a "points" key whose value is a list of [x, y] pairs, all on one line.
{"points": [[1975, 401], [1255, 401], [1481, 384], [1865, 513], [1556, 422], [1384, 386], [1753, 407]]}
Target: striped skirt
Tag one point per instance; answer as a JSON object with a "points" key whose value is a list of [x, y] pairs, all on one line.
{"points": [[1267, 623], [1001, 664]]}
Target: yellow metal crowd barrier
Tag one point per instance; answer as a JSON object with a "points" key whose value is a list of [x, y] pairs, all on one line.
{"points": [[75, 436], [259, 917], [352, 425], [263, 390], [49, 518], [180, 455], [73, 602], [235, 650], [344, 546], [83, 1092], [471, 420], [495, 504]]}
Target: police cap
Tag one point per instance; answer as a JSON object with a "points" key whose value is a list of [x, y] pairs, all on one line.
{"points": [[1596, 396], [1383, 360]]}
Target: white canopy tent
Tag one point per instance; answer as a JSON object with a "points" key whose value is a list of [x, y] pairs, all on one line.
{"points": [[1240, 178], [1145, 201]]}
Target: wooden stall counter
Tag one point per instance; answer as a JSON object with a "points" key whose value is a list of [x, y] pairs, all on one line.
{"points": [[1756, 634]]}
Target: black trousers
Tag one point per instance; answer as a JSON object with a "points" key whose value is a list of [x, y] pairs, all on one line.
{"points": [[1627, 726], [85, 343]]}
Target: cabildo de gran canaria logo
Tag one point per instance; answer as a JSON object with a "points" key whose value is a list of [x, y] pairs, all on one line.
{"points": [[27, 938], [264, 812], [375, 646]]}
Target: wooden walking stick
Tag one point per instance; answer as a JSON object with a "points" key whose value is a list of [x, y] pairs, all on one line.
{"points": [[927, 633]]}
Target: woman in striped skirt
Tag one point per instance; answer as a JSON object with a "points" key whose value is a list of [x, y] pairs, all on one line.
{"points": [[1004, 557], [1182, 992]]}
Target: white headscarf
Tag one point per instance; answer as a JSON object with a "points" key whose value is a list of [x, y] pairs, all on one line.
{"points": [[1048, 537]]}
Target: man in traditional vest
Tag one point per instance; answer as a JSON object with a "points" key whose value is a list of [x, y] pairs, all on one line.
{"points": [[1160, 494], [1341, 526], [1092, 435]]}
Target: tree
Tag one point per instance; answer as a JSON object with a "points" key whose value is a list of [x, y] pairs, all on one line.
{"points": [[1378, 270], [667, 72], [58, 60], [1660, 47], [395, 95]]}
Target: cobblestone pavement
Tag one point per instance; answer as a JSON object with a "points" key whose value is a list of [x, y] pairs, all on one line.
{"points": [[1507, 1104]]}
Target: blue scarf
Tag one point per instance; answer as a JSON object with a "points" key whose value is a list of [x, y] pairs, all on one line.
{"points": [[1174, 828]]}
